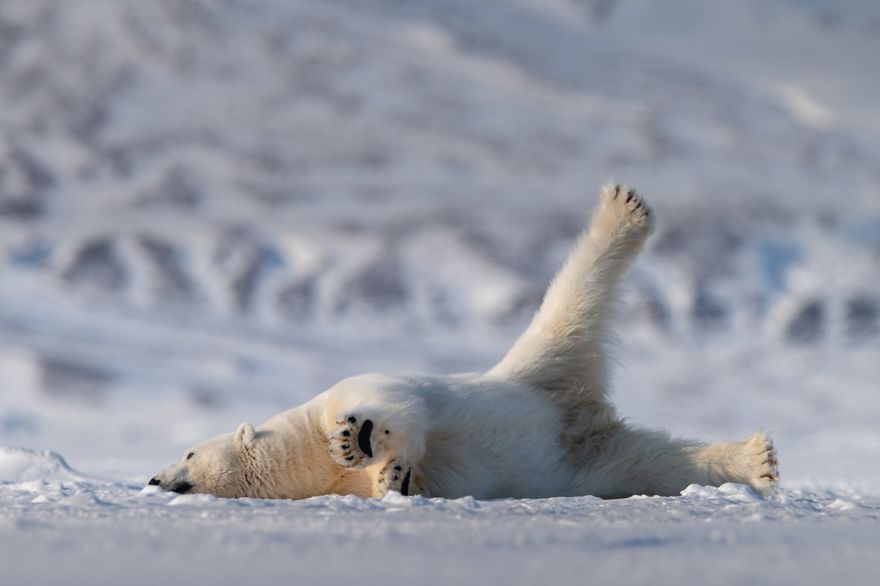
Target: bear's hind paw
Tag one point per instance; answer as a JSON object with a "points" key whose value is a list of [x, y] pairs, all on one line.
{"points": [[622, 201], [764, 469]]}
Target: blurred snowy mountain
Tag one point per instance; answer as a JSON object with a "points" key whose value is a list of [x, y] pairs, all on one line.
{"points": [[204, 195]]}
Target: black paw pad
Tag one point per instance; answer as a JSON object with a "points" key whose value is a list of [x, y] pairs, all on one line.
{"points": [[404, 488], [363, 438]]}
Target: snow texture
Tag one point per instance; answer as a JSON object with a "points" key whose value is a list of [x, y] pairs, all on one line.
{"points": [[719, 535], [211, 210]]}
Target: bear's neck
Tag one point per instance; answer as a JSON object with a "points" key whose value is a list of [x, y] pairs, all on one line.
{"points": [[300, 451]]}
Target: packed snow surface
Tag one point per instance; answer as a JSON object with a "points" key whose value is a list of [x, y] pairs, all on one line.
{"points": [[211, 210], [105, 532]]}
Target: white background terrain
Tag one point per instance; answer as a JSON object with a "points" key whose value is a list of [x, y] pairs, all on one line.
{"points": [[210, 211]]}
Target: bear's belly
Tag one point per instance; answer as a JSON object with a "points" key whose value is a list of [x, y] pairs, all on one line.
{"points": [[496, 457]]}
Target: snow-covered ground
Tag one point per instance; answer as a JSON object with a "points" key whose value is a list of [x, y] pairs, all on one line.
{"points": [[66, 527], [210, 210]]}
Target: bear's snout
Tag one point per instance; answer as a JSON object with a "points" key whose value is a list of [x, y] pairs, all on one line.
{"points": [[180, 487]]}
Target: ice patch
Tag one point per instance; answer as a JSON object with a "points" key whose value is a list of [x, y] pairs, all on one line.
{"points": [[468, 502], [697, 490], [804, 108], [395, 498], [193, 499], [842, 505], [729, 492], [739, 492], [82, 499], [23, 465]]}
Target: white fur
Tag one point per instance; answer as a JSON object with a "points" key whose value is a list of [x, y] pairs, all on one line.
{"points": [[538, 424]]}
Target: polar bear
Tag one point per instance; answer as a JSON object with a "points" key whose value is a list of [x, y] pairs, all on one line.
{"points": [[538, 424]]}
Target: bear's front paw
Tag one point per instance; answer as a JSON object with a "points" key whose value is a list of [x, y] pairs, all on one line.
{"points": [[351, 444], [397, 476]]}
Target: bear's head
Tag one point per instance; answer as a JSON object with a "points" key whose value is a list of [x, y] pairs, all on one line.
{"points": [[223, 466]]}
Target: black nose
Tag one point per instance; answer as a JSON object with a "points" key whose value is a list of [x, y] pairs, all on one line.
{"points": [[153, 481]]}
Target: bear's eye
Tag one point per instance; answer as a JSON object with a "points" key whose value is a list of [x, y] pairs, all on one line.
{"points": [[190, 455]]}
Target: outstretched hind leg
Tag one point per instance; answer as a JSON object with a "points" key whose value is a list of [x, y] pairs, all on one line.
{"points": [[638, 461]]}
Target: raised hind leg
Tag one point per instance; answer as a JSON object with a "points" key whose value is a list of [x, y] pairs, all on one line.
{"points": [[563, 349]]}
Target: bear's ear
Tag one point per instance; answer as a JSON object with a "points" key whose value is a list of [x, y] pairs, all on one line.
{"points": [[244, 435]]}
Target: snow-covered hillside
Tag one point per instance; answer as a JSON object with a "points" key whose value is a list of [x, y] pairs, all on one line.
{"points": [[210, 210]]}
